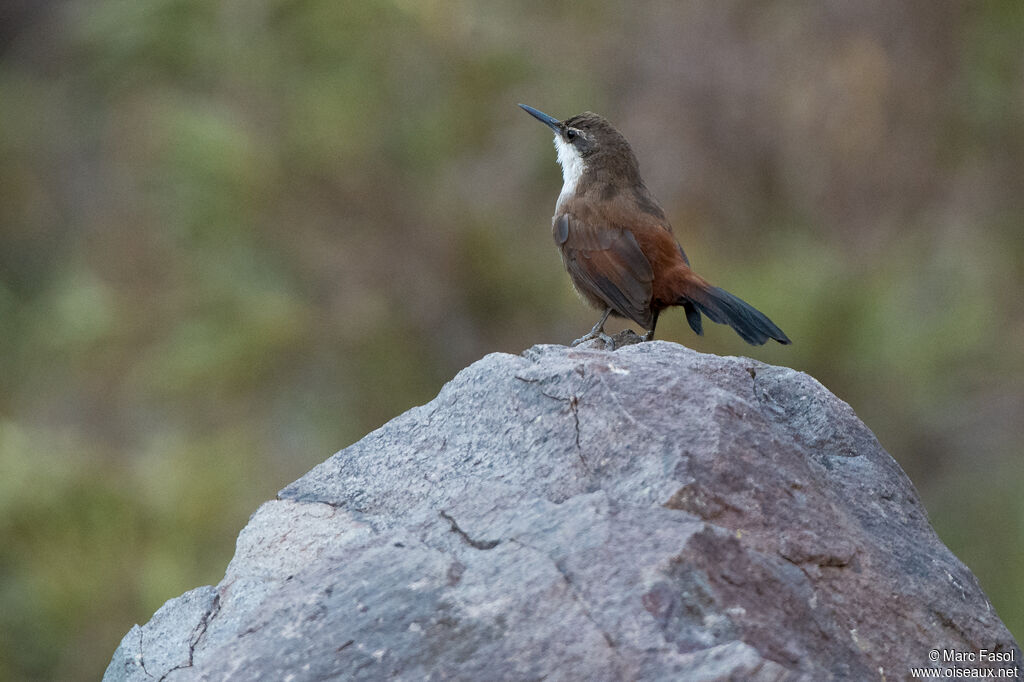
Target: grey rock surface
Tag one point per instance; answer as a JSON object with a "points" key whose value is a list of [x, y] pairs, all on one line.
{"points": [[650, 513]]}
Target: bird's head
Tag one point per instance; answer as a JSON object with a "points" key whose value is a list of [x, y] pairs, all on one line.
{"points": [[585, 141]]}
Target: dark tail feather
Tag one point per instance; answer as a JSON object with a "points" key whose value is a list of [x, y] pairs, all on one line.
{"points": [[722, 307], [693, 317]]}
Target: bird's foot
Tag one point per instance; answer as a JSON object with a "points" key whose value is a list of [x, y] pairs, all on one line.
{"points": [[649, 336], [609, 342]]}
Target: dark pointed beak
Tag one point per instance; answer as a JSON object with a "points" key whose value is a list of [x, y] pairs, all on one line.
{"points": [[549, 121]]}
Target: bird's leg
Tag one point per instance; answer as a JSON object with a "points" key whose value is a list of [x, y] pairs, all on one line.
{"points": [[598, 332], [649, 336]]}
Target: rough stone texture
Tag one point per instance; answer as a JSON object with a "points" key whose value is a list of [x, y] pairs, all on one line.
{"points": [[650, 513]]}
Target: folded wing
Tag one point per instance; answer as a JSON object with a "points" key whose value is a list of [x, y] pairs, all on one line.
{"points": [[607, 265]]}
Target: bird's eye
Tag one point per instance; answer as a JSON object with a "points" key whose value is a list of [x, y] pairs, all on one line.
{"points": [[571, 134]]}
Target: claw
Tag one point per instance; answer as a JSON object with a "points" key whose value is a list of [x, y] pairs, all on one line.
{"points": [[649, 336], [598, 333], [609, 342]]}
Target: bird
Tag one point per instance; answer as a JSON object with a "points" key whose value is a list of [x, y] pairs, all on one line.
{"points": [[617, 245]]}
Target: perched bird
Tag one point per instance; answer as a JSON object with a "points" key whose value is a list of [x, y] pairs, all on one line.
{"points": [[618, 246]]}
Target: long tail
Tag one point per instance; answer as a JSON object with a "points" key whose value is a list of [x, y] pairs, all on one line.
{"points": [[720, 306]]}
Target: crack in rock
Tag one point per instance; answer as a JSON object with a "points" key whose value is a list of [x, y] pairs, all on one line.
{"points": [[142, 656], [197, 635], [476, 544], [580, 601], [574, 406], [573, 401]]}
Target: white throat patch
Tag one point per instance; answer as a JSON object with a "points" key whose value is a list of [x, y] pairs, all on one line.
{"points": [[572, 168]]}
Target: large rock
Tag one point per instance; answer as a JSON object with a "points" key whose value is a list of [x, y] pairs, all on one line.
{"points": [[650, 513]]}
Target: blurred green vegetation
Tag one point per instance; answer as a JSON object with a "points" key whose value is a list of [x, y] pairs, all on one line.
{"points": [[236, 236]]}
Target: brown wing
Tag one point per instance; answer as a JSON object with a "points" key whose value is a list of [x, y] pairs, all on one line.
{"points": [[607, 265]]}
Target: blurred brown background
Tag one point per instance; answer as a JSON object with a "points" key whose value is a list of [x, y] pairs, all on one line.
{"points": [[237, 235]]}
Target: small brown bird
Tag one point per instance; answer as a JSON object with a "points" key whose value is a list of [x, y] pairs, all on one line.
{"points": [[618, 245]]}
